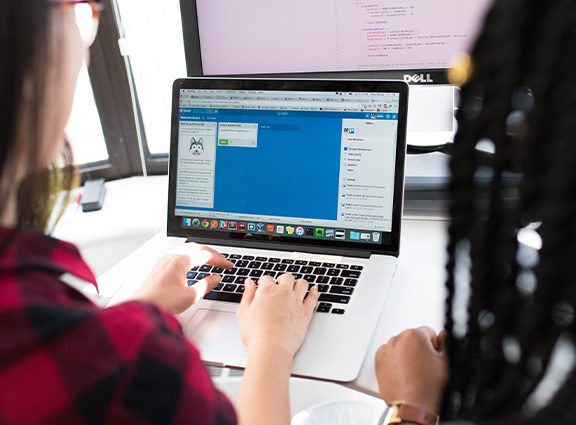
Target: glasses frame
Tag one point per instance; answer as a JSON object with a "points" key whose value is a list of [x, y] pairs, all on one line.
{"points": [[97, 8]]}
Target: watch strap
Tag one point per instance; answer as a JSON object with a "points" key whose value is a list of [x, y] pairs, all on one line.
{"points": [[402, 413]]}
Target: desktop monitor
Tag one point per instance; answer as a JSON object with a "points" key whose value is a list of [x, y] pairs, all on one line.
{"points": [[413, 40]]}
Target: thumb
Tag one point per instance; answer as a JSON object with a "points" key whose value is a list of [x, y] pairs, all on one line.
{"points": [[249, 292], [202, 287], [441, 348]]}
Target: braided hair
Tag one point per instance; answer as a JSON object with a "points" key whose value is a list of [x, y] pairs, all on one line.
{"points": [[511, 348]]}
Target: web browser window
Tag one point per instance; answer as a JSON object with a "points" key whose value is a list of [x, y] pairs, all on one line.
{"points": [[301, 164]]}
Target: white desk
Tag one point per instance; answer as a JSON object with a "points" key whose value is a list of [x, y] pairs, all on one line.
{"points": [[416, 297]]}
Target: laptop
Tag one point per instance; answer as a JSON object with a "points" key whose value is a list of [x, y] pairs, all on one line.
{"points": [[290, 176]]}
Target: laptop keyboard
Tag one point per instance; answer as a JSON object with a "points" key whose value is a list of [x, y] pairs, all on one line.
{"points": [[336, 282]]}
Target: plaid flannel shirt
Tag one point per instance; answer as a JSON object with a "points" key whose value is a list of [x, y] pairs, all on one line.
{"points": [[64, 360]]}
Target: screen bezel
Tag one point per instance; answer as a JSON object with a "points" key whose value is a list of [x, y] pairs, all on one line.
{"points": [[174, 224], [193, 54]]}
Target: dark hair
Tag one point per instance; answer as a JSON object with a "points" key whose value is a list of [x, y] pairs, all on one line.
{"points": [[28, 48], [521, 102]]}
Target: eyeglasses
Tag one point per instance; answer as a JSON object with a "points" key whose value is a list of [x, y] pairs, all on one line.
{"points": [[87, 14]]}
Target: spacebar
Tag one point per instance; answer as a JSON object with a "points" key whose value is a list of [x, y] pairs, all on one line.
{"points": [[223, 296]]}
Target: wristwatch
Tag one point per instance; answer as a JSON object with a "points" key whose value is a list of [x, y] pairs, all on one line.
{"points": [[401, 413]]}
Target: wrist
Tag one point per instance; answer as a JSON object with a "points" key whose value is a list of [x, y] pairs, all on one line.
{"points": [[401, 412]]}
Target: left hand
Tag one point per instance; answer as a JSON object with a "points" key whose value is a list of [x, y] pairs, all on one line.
{"points": [[412, 367], [166, 283]]}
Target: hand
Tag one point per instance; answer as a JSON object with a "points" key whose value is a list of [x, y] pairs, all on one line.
{"points": [[275, 317], [412, 367], [166, 283]]}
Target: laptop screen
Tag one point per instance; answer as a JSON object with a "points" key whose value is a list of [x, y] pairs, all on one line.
{"points": [[307, 166]]}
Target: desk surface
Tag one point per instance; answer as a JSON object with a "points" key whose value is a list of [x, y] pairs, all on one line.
{"points": [[416, 296]]}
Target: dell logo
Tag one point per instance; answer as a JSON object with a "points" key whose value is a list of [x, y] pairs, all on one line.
{"points": [[418, 78]]}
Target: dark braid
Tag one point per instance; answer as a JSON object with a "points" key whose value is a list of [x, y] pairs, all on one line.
{"points": [[521, 99]]}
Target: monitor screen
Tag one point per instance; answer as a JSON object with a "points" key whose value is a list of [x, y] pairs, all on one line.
{"points": [[303, 36]]}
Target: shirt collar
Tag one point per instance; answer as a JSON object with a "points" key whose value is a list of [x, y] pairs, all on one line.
{"points": [[32, 250]]}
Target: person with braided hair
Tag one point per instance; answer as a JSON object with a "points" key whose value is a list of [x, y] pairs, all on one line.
{"points": [[507, 356]]}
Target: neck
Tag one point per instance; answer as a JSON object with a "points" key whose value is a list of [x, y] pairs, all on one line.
{"points": [[9, 216]]}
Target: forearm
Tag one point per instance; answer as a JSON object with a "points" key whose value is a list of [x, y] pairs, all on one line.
{"points": [[264, 396]]}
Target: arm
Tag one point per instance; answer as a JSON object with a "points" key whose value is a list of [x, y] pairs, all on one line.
{"points": [[273, 321], [412, 367]]}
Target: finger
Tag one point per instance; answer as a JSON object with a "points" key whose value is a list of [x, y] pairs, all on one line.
{"points": [[287, 281], [202, 287], [200, 255], [301, 287], [249, 292], [266, 281], [430, 335], [311, 300], [441, 342]]}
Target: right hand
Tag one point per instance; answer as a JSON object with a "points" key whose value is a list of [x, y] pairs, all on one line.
{"points": [[275, 317], [412, 367]]}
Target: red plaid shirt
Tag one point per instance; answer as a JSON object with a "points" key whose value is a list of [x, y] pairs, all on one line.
{"points": [[63, 360]]}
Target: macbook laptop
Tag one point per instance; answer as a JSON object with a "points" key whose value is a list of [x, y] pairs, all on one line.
{"points": [[290, 176]]}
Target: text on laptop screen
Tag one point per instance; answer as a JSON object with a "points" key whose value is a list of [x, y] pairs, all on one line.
{"points": [[295, 164]]}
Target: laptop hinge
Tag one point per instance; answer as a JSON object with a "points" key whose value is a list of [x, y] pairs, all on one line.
{"points": [[323, 250]]}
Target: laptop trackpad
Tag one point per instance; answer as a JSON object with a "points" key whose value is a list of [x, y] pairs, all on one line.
{"points": [[216, 335]]}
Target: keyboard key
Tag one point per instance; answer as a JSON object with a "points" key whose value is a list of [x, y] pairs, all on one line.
{"points": [[217, 270], [323, 288], [334, 272], [293, 269], [306, 270], [350, 273], [350, 282], [234, 257], [247, 257], [240, 289], [261, 259], [240, 280], [224, 255], [336, 281], [242, 263], [233, 270], [297, 275], [342, 266], [256, 273], [254, 265], [319, 271], [314, 264], [243, 272], [218, 287], [267, 266], [193, 269], [191, 282], [223, 296], [323, 279], [285, 261], [280, 267], [228, 278], [356, 267], [324, 308], [274, 260], [331, 298], [310, 278], [191, 275], [329, 265], [337, 311], [310, 285], [206, 268], [301, 262], [342, 290], [269, 273], [201, 276], [229, 287]]}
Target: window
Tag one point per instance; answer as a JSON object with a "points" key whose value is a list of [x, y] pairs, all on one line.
{"points": [[153, 41]]}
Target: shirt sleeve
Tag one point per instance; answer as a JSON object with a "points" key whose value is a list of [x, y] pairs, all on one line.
{"points": [[147, 372]]}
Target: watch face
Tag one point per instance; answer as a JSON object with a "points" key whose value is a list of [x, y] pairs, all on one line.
{"points": [[392, 416]]}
